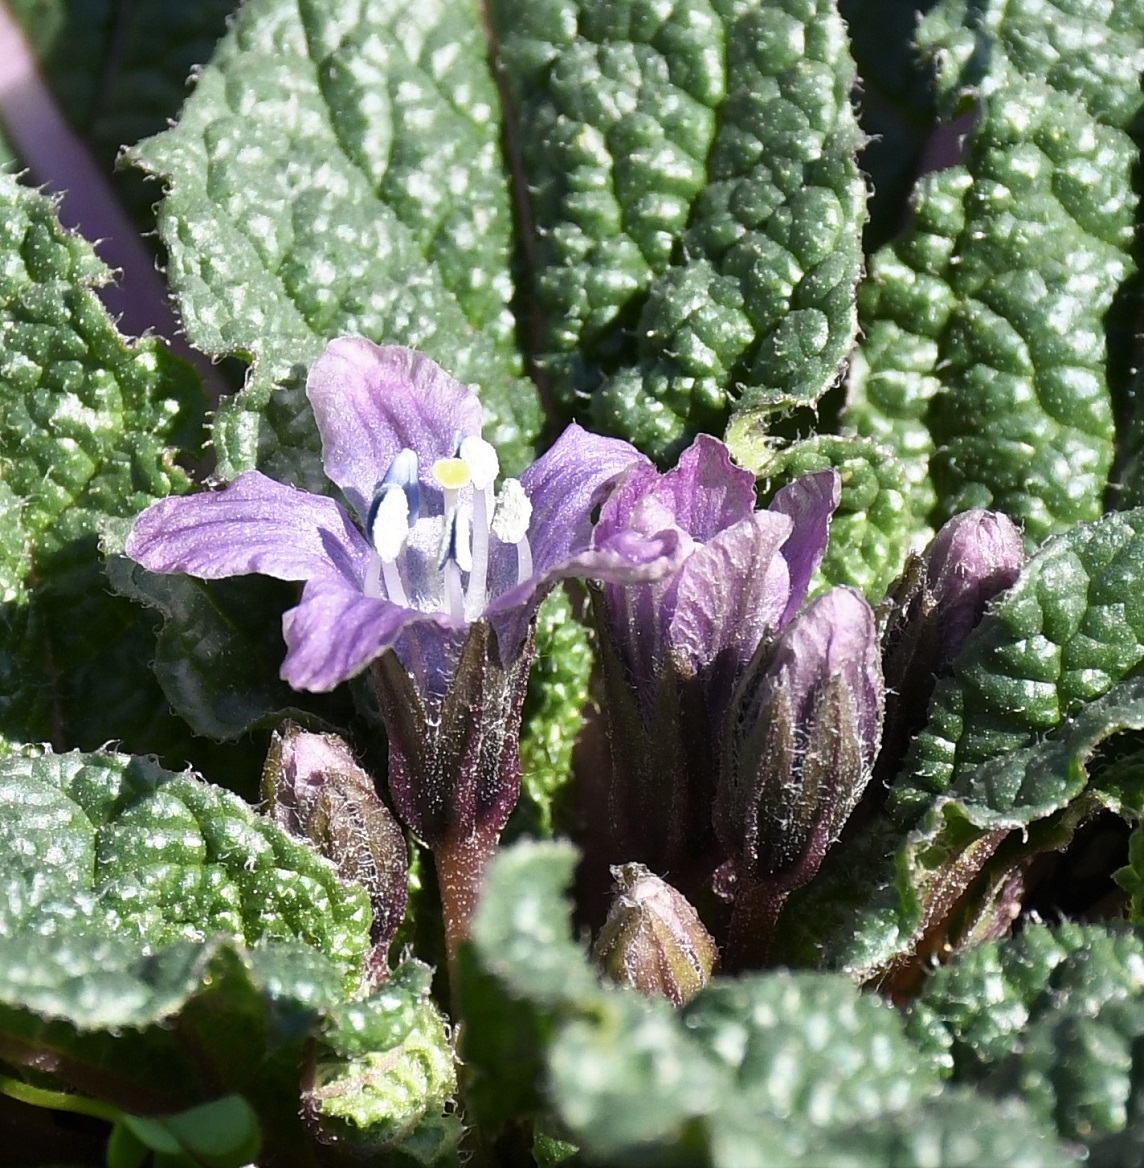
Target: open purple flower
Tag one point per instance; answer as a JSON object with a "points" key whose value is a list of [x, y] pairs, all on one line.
{"points": [[432, 545], [676, 648], [433, 576]]}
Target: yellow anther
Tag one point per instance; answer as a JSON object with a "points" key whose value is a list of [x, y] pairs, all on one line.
{"points": [[451, 473]]}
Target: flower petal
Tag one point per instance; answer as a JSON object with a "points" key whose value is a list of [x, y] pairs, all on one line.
{"points": [[564, 485], [730, 593], [336, 631], [810, 501], [254, 525], [371, 401], [706, 491]]}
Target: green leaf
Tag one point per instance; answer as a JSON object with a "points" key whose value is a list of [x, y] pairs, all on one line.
{"points": [[994, 339], [222, 1134], [1055, 1016], [387, 1072], [354, 184], [777, 1069], [1069, 630], [872, 529], [880, 894], [695, 205], [87, 426], [159, 942], [116, 846], [553, 711]]}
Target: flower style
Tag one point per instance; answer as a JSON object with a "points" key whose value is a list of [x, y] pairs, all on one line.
{"points": [[676, 648], [432, 584]]}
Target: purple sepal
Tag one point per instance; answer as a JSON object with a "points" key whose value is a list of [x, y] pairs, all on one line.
{"points": [[454, 758]]}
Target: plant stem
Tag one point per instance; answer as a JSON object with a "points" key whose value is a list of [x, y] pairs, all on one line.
{"points": [[460, 871], [57, 1100]]}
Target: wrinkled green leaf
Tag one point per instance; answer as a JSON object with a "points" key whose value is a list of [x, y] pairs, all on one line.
{"points": [[872, 529], [353, 184], [116, 846], [695, 205], [386, 1071], [87, 423], [553, 712], [1069, 629], [994, 336], [991, 819], [1054, 1016]]}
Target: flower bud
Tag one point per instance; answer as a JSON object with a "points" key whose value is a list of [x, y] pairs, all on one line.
{"points": [[940, 598], [801, 743], [653, 939], [317, 791]]}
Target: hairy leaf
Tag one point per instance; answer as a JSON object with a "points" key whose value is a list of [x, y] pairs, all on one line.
{"points": [[695, 205], [776, 1069], [87, 423], [338, 170], [993, 334]]}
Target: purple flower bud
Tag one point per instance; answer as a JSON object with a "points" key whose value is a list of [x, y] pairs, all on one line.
{"points": [[800, 747], [932, 610], [315, 790], [674, 649], [653, 939]]}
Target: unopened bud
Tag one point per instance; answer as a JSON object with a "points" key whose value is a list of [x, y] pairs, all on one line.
{"points": [[653, 939], [932, 610], [802, 745], [316, 790]]}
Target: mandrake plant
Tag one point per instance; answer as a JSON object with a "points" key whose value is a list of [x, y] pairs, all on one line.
{"points": [[613, 632]]}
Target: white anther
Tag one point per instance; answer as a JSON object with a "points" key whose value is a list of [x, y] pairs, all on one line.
{"points": [[481, 459], [513, 513], [390, 523]]}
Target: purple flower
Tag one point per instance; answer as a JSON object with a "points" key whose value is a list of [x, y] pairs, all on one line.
{"points": [[675, 648], [432, 545], [431, 579]]}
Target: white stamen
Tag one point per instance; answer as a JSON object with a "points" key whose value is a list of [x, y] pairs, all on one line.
{"points": [[394, 588], [372, 585], [390, 527], [481, 459], [523, 560], [513, 513], [462, 543], [510, 525], [477, 595]]}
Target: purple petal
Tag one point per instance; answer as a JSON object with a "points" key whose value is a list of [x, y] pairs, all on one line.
{"points": [[254, 525], [371, 401], [336, 631], [706, 491], [730, 593], [810, 501], [630, 559], [834, 636], [564, 485]]}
